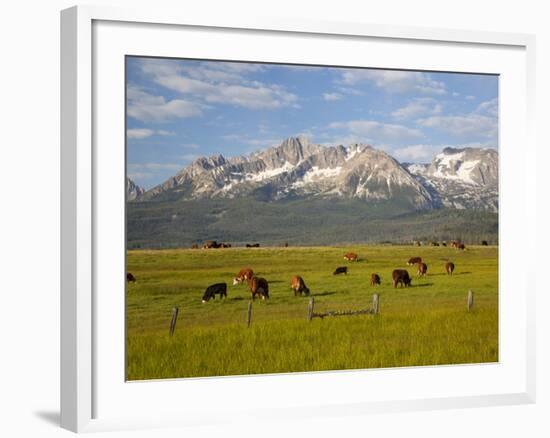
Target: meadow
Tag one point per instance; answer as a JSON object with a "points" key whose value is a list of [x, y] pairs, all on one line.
{"points": [[425, 324]]}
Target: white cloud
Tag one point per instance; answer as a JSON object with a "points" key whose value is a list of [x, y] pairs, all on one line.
{"points": [[220, 83], [417, 108], [163, 132], [395, 81], [418, 153], [469, 125], [455, 94], [143, 172], [188, 158], [330, 97], [370, 130], [139, 133], [149, 108], [470, 97], [489, 107], [252, 141], [153, 166]]}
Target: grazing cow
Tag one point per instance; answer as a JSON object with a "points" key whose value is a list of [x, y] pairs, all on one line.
{"points": [[400, 276], [422, 269], [454, 243], [449, 268], [414, 261], [130, 278], [258, 286], [224, 245], [210, 244], [211, 291], [374, 279], [194, 246], [252, 245], [435, 244], [417, 243], [243, 275], [350, 257], [286, 244], [340, 270], [298, 285], [484, 243], [443, 243], [461, 246]]}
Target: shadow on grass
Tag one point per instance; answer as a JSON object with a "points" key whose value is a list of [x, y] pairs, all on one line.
{"points": [[322, 294], [422, 285]]}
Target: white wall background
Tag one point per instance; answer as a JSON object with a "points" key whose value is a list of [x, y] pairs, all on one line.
{"points": [[29, 215]]}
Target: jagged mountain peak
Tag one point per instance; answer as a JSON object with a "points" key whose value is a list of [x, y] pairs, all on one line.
{"points": [[298, 168], [133, 191]]}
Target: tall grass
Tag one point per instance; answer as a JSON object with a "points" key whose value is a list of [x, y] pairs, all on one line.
{"points": [[426, 324]]}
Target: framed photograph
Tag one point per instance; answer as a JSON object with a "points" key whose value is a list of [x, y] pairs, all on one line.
{"points": [[262, 208]]}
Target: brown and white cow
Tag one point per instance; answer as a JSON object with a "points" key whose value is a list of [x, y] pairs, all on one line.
{"points": [[449, 268], [243, 275], [350, 257], [298, 285], [414, 261], [374, 279], [422, 269], [258, 286]]}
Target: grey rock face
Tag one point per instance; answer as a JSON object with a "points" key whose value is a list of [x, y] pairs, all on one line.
{"points": [[133, 191], [460, 178]]}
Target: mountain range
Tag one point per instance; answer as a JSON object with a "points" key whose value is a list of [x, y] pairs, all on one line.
{"points": [[457, 178]]}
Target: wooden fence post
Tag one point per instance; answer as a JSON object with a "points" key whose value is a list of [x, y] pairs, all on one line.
{"points": [[249, 314], [470, 300], [175, 312], [310, 309], [376, 304]]}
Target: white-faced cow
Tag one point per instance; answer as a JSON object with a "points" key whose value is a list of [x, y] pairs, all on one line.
{"points": [[243, 275], [351, 257]]}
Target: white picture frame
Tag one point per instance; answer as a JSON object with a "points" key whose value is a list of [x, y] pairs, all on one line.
{"points": [[84, 381]]}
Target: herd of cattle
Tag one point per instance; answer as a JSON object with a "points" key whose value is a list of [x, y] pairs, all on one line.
{"points": [[259, 287], [215, 244]]}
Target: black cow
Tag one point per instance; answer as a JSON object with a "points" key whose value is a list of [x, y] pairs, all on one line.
{"points": [[484, 243], [252, 245], [401, 276], [130, 278], [211, 291], [341, 270]]}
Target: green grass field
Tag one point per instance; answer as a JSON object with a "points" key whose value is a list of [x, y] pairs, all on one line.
{"points": [[426, 324]]}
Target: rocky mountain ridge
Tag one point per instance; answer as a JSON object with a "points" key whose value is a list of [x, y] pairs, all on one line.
{"points": [[456, 178]]}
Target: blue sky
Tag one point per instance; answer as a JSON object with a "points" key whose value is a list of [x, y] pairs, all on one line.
{"points": [[178, 110]]}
